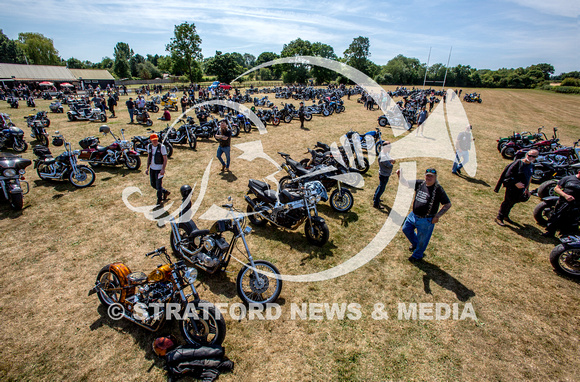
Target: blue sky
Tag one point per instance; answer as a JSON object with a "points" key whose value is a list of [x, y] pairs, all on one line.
{"points": [[484, 34]]}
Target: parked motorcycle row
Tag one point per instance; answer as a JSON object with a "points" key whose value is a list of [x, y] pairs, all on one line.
{"points": [[554, 162]]}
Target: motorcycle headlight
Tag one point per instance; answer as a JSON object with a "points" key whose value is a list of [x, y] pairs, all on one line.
{"points": [[22, 172], [9, 172], [190, 275], [312, 199]]}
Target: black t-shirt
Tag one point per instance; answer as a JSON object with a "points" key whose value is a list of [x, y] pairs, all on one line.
{"points": [[571, 186], [225, 142], [423, 196]]}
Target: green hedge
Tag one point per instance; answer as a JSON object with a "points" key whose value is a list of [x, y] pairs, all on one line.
{"points": [[567, 89]]}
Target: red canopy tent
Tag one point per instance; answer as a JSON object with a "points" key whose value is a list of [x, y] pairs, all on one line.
{"points": [[67, 85], [46, 83]]}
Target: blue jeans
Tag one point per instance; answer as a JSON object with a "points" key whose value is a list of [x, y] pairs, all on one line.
{"points": [[419, 240], [380, 189], [460, 156], [131, 112], [222, 150]]}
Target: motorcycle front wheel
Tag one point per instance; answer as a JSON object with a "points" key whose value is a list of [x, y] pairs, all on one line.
{"points": [[341, 201], [320, 235], [155, 109], [248, 127], [192, 143], [17, 201], [566, 261], [275, 121], [169, 148], [547, 189], [133, 163], [383, 121], [542, 213], [208, 328], [19, 145], [235, 131], [508, 152], [307, 117], [258, 288], [42, 139], [184, 231], [103, 118], [83, 178]]}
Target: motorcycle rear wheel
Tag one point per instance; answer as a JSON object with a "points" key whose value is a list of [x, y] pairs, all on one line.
{"points": [[42, 139], [39, 171], [307, 117], [235, 131], [208, 328], [341, 201], [86, 177], [248, 128], [19, 145], [192, 143], [155, 109], [542, 213], [547, 188], [275, 122], [254, 218], [108, 279], [247, 283], [288, 119], [103, 118], [383, 121], [508, 152], [321, 233], [566, 261]]}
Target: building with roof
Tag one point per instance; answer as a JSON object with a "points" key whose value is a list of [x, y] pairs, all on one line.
{"points": [[93, 77]]}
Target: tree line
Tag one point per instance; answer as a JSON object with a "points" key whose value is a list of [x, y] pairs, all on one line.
{"points": [[184, 58]]}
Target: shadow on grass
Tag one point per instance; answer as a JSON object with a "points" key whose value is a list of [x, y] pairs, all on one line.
{"points": [[6, 212], [295, 240], [443, 279], [228, 176], [115, 171], [183, 147], [530, 232], [58, 185], [473, 180]]}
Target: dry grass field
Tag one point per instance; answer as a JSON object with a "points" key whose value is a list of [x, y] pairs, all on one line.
{"points": [[527, 316]]}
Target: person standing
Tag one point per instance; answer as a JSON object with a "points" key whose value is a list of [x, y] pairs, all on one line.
{"points": [[426, 213], [516, 179], [130, 108], [112, 102], [156, 164], [224, 138], [385, 170], [301, 114], [140, 103], [420, 121], [566, 210], [462, 147], [183, 103]]}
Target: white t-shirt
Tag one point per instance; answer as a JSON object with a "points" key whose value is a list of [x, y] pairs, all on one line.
{"points": [[153, 165]]}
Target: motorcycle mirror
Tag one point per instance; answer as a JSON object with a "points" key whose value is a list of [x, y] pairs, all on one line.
{"points": [[229, 198]]}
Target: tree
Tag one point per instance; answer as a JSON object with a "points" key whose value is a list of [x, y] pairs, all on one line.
{"points": [[224, 66], [249, 60], [122, 54], [296, 72], [38, 49], [323, 75], [185, 47], [357, 54], [74, 63], [275, 71], [133, 62], [10, 52], [404, 70]]}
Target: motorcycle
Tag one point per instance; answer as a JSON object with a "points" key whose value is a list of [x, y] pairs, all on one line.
{"points": [[356, 139], [473, 97], [289, 209], [547, 187], [11, 179], [140, 143], [211, 251], [207, 130], [56, 107], [324, 168], [144, 298], [359, 164], [79, 112], [510, 149], [119, 152], [169, 101], [142, 117], [13, 102], [565, 258], [30, 102], [63, 166], [547, 207], [525, 136], [38, 123], [151, 106], [182, 135], [12, 136]]}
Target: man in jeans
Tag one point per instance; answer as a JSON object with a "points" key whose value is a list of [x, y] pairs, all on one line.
{"points": [[130, 108], [428, 196], [156, 164], [224, 137], [385, 170]]}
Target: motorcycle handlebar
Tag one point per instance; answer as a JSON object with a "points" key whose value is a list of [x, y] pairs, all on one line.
{"points": [[157, 251]]}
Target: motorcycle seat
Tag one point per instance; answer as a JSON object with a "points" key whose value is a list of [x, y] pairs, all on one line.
{"points": [[49, 160], [258, 184], [101, 149], [287, 196], [271, 196], [137, 278]]}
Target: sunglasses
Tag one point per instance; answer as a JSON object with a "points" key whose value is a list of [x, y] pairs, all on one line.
{"points": [[532, 156], [430, 171]]}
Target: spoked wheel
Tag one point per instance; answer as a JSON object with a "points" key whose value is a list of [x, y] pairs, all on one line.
{"points": [[307, 117], [235, 131], [133, 163], [320, 233], [542, 213], [184, 231], [362, 168], [169, 148], [19, 145], [341, 201], [103, 118], [286, 183], [42, 139], [207, 327], [258, 288], [110, 285], [248, 127], [566, 261], [256, 219], [84, 177], [275, 121], [508, 152], [192, 142]]}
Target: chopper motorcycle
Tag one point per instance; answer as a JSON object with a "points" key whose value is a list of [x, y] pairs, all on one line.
{"points": [[63, 166], [211, 251], [143, 299], [11, 179], [289, 208], [119, 152]]}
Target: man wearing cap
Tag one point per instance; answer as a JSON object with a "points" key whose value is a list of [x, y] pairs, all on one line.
{"points": [[301, 114], [425, 214], [385, 170], [224, 137], [156, 163]]}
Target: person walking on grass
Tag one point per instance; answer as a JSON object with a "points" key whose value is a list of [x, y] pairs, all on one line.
{"points": [[419, 224], [112, 102], [516, 179], [301, 112], [462, 147], [385, 170], [420, 121], [156, 164], [130, 108], [224, 137]]}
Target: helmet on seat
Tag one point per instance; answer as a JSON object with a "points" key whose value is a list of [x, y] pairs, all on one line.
{"points": [[185, 190]]}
